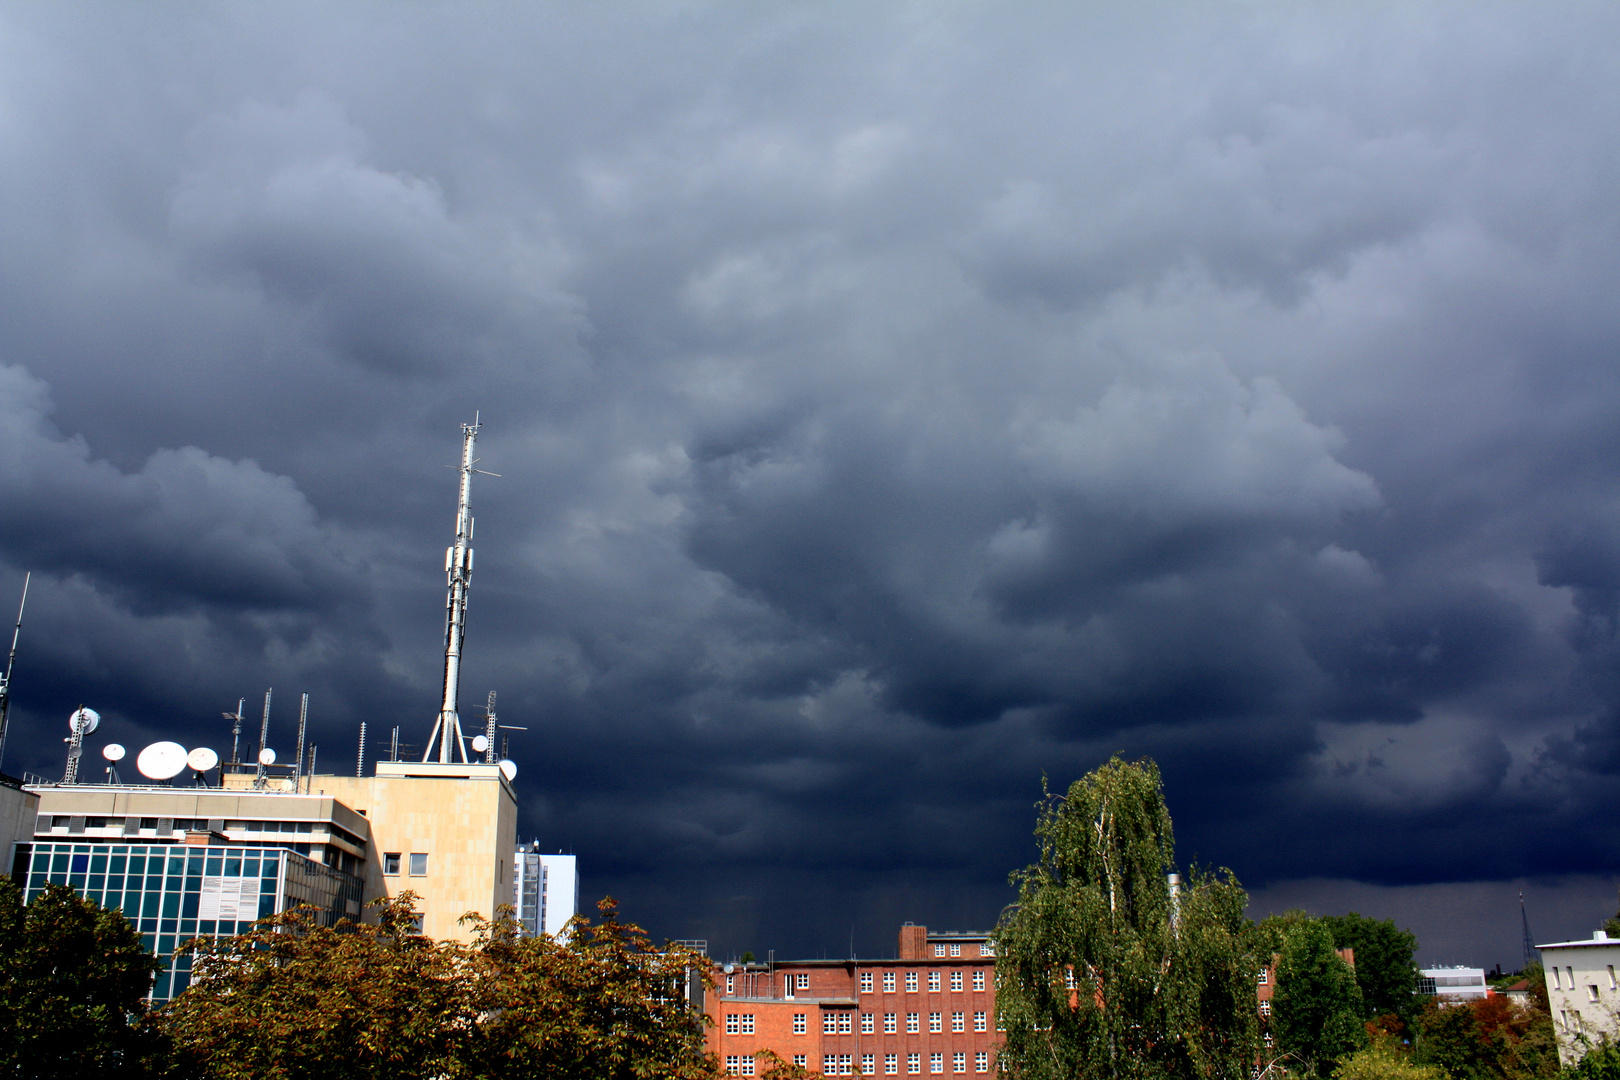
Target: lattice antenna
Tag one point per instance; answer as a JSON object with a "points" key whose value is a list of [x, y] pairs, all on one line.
{"points": [[489, 730], [264, 741], [1530, 953], [11, 661], [360, 759], [458, 566], [303, 723], [236, 719]]}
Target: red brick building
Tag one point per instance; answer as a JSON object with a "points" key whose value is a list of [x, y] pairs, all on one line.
{"points": [[1267, 985], [930, 1012]]}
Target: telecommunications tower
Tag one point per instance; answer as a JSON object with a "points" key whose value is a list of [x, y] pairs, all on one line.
{"points": [[458, 565]]}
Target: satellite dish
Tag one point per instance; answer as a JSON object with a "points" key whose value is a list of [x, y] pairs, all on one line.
{"points": [[508, 768], [113, 752], [89, 719], [729, 968], [161, 761], [267, 756], [480, 744], [202, 759]]}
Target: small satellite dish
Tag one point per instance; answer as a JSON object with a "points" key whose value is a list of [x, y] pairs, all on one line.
{"points": [[267, 756], [113, 752], [88, 719], [729, 968], [508, 768], [161, 761], [202, 759], [480, 744]]}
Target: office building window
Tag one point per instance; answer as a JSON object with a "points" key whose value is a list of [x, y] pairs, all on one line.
{"points": [[987, 949], [911, 982], [868, 1064], [891, 1064], [911, 1024], [959, 1061], [801, 1061], [1557, 985], [958, 1021], [1571, 973], [936, 1062], [844, 1064], [748, 1064], [747, 1023], [979, 1022], [844, 1020], [733, 1024], [419, 864], [978, 981], [939, 950], [733, 1064], [956, 982], [799, 1026], [866, 982], [888, 982], [1592, 993], [829, 1023], [868, 1023], [1265, 1008], [1068, 979], [1612, 985], [1264, 976], [913, 1064], [390, 862], [935, 1022], [889, 1024], [829, 1064], [956, 950], [981, 1061], [731, 983], [804, 982], [933, 982]]}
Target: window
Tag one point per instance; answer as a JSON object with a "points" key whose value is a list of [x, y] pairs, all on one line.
{"points": [[1068, 979], [733, 1024], [935, 1022], [1563, 1016], [1265, 1008], [987, 948], [417, 921], [911, 1024], [733, 1064], [1557, 985], [748, 1064], [804, 982], [956, 982], [1575, 1020], [888, 1024], [748, 1023], [933, 982], [1591, 993], [829, 1023], [843, 1065], [981, 1061], [888, 982], [390, 862], [936, 1062], [1265, 977], [958, 1021], [959, 1061], [801, 1061], [731, 983], [978, 981], [868, 1064], [844, 1020], [911, 982], [799, 1027], [956, 950], [939, 950], [829, 1064], [913, 1064], [418, 864], [979, 1023], [1612, 985], [1571, 973], [868, 1023], [891, 1064], [866, 982]]}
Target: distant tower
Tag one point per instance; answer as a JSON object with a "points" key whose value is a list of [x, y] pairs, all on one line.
{"points": [[1530, 954], [458, 565]]}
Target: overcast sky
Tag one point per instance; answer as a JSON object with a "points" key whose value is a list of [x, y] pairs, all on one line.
{"points": [[893, 404]]}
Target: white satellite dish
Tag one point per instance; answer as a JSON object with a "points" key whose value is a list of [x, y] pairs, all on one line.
{"points": [[267, 756], [508, 768], [480, 744], [202, 759], [113, 752], [161, 761], [88, 718]]}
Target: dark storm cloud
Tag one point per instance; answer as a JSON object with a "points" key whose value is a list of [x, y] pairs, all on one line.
{"points": [[892, 406]]}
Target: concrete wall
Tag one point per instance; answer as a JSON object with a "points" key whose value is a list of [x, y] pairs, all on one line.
{"points": [[18, 811]]}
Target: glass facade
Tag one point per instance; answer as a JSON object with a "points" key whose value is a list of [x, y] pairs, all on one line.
{"points": [[175, 892]]}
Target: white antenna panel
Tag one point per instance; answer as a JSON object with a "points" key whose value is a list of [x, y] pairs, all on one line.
{"points": [[449, 555], [480, 744], [267, 756], [508, 768], [113, 752], [202, 759], [161, 761], [88, 718]]}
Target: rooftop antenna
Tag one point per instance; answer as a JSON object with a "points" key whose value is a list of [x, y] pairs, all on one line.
{"points": [[458, 566], [311, 782], [360, 759], [5, 684], [1530, 955], [393, 749], [264, 739], [303, 720], [236, 730], [489, 730], [505, 738], [81, 723], [114, 753]]}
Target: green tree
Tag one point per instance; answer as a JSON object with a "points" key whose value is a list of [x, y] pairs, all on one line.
{"points": [[1488, 1039], [1384, 968], [1102, 973], [1612, 926], [1384, 1059], [1316, 1007], [73, 982], [1602, 1062]]}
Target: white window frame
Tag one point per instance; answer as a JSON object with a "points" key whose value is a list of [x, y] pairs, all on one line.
{"points": [[939, 949], [801, 1023], [958, 1021], [980, 1022], [981, 1061], [913, 1023], [891, 1064], [868, 1023], [959, 1061], [936, 1023], [933, 982], [978, 982], [891, 1023], [913, 1064], [911, 982], [888, 982], [936, 1062], [866, 982]]}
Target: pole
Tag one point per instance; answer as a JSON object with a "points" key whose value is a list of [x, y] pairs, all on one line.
{"points": [[298, 764], [236, 730], [311, 769], [489, 730], [360, 759], [264, 739], [5, 686]]}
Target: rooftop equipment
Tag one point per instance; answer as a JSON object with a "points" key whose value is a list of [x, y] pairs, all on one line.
{"points": [[5, 684]]}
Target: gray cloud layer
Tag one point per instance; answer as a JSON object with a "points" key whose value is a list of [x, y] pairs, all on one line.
{"points": [[891, 406]]}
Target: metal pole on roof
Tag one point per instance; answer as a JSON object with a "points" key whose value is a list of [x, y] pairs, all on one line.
{"points": [[5, 684], [303, 719], [264, 740]]}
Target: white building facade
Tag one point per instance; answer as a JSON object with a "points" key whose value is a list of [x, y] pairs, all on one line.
{"points": [[1582, 993], [546, 891], [1453, 983]]}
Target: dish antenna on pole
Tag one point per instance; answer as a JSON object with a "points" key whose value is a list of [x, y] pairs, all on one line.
{"points": [[5, 684], [161, 761], [114, 753], [81, 723], [458, 566]]}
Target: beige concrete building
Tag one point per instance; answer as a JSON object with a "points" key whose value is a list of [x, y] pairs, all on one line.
{"points": [[1582, 993], [18, 811]]}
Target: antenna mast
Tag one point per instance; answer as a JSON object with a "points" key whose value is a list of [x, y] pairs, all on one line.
{"points": [[236, 730], [303, 718], [264, 738], [458, 565], [489, 730], [1529, 942], [5, 686]]}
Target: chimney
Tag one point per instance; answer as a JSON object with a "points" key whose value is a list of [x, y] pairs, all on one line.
{"points": [[913, 941]]}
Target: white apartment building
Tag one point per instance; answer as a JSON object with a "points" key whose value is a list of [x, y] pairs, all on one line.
{"points": [[1582, 993], [546, 890], [1453, 983]]}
